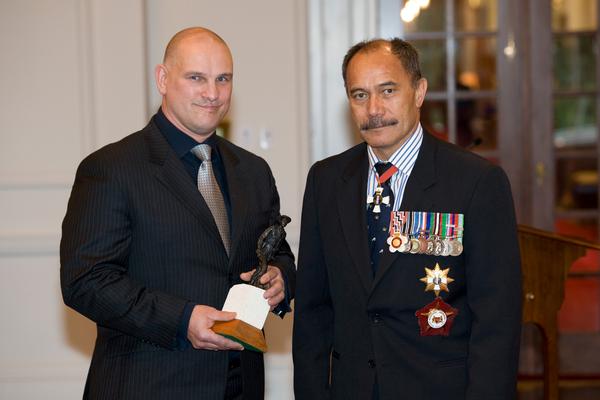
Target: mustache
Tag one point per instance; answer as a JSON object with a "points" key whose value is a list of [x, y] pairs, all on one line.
{"points": [[377, 122]]}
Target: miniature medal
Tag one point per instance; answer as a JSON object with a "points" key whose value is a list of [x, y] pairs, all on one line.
{"points": [[430, 246], [396, 241], [446, 247], [457, 248], [422, 243], [456, 234]]}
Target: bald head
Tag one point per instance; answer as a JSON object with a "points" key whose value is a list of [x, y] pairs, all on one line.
{"points": [[195, 33], [195, 81]]}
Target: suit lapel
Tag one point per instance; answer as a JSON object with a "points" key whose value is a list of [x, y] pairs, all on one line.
{"points": [[351, 201], [172, 174], [415, 198], [237, 183]]}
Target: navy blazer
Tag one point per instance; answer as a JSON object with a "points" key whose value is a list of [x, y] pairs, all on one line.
{"points": [[352, 328]]}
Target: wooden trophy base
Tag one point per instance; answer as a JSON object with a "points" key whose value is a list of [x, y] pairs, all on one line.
{"points": [[245, 334]]}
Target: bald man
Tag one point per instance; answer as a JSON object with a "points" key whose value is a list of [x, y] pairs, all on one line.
{"points": [[159, 226]]}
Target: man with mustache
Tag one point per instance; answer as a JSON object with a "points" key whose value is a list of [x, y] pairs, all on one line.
{"points": [[408, 281], [159, 226]]}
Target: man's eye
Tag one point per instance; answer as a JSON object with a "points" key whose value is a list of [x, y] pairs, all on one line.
{"points": [[360, 96], [223, 79], [194, 78], [388, 91]]}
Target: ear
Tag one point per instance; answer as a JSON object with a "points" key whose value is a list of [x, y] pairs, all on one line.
{"points": [[420, 92], [160, 75]]}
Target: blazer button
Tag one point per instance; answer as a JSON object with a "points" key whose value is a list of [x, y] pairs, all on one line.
{"points": [[371, 364], [375, 318]]}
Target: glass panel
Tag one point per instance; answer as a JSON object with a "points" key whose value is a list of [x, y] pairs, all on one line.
{"points": [[432, 56], [574, 62], [577, 184], [575, 122], [476, 15], [574, 15], [476, 123], [434, 117], [423, 15], [476, 64]]}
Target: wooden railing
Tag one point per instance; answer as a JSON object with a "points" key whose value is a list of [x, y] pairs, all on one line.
{"points": [[546, 258]]}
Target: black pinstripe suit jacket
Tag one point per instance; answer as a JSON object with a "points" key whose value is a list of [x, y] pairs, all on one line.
{"points": [[138, 243]]}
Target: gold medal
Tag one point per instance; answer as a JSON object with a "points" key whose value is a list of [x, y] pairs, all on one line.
{"points": [[437, 279]]}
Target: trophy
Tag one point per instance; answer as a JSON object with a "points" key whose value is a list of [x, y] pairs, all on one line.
{"points": [[247, 300]]}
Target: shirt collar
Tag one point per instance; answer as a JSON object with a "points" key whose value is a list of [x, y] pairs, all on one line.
{"points": [[180, 142], [403, 158]]}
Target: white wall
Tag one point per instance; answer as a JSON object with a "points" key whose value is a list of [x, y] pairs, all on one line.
{"points": [[76, 75]]}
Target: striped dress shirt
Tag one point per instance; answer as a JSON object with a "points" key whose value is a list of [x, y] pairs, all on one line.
{"points": [[404, 159]]}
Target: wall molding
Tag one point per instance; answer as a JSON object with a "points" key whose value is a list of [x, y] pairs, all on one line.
{"points": [[32, 372], [29, 244], [36, 182]]}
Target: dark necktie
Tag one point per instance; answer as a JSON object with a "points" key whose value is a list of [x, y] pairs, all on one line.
{"points": [[209, 188], [378, 213]]}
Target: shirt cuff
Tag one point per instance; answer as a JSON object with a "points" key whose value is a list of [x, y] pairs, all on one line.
{"points": [[182, 340], [283, 307]]}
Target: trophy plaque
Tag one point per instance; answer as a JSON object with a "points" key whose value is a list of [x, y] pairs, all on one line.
{"points": [[247, 300]]}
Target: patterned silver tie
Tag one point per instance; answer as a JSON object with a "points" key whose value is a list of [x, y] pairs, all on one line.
{"points": [[209, 188]]}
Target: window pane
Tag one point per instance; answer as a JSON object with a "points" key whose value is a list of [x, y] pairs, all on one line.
{"points": [[476, 63], [434, 117], [476, 15], [476, 123], [577, 184], [574, 15], [574, 62], [575, 122], [432, 56], [428, 18]]}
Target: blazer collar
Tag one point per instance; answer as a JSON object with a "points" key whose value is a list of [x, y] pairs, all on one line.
{"points": [[351, 202], [172, 174], [238, 181]]}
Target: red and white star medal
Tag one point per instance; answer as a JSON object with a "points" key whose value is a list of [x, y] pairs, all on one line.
{"points": [[436, 318]]}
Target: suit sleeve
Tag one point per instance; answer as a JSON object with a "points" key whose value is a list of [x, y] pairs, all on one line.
{"points": [[493, 278], [313, 318], [96, 236]]}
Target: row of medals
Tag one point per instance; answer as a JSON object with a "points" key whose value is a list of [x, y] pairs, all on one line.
{"points": [[432, 245]]}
